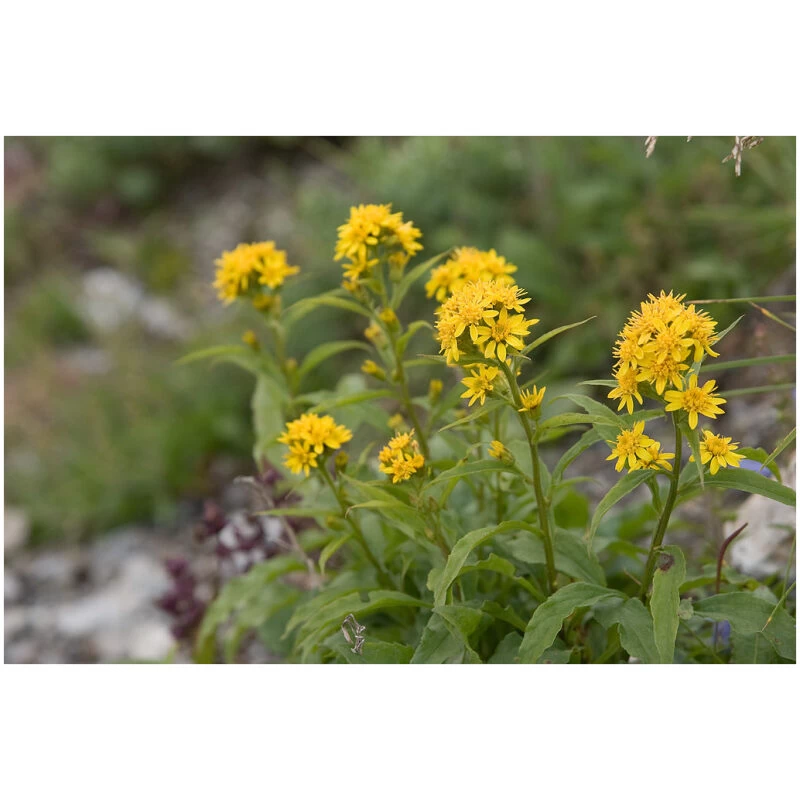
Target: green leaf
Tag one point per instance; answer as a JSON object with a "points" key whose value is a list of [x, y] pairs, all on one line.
{"points": [[575, 558], [472, 468], [624, 486], [666, 599], [413, 328], [549, 617], [636, 631], [326, 351], [437, 644], [413, 275], [507, 652], [746, 481], [584, 443], [461, 551], [573, 418], [770, 388], [463, 622], [330, 549], [717, 366], [349, 400], [298, 511], [782, 445], [267, 407], [234, 595], [760, 455], [332, 299], [748, 615], [606, 383], [550, 334], [489, 406]]}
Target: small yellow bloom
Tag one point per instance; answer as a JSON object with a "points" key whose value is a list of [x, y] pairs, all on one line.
{"points": [[396, 421], [308, 436], [481, 383], [501, 334], [388, 317], [653, 458], [374, 334], [251, 340], [499, 451], [401, 457], [696, 400], [631, 446], [533, 399], [242, 270], [435, 388], [369, 367], [468, 265], [627, 389], [719, 451]]}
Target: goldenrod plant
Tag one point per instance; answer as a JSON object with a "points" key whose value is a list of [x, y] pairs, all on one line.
{"points": [[435, 530]]}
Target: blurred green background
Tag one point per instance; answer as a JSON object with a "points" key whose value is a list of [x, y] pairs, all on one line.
{"points": [[109, 250]]}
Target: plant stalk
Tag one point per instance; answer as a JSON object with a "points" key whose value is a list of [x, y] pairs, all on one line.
{"points": [[658, 536]]}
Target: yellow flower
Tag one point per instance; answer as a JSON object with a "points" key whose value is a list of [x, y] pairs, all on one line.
{"points": [[300, 458], [374, 334], [468, 265], [700, 329], [309, 436], [627, 389], [669, 341], [371, 226], [499, 451], [502, 333], [695, 400], [533, 399], [660, 374], [481, 383], [242, 270], [631, 446], [653, 458], [401, 457], [435, 388], [719, 451], [396, 421], [250, 339], [369, 367]]}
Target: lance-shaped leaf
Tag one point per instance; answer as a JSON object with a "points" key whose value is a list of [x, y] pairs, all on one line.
{"points": [[666, 599]]}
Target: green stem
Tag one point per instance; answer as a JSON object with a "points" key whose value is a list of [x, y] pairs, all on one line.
{"points": [[500, 500], [357, 532], [658, 536], [541, 503]]}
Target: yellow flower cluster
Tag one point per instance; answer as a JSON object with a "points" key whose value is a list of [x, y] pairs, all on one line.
{"points": [[657, 344], [483, 318], [307, 438], [719, 451], [245, 270], [638, 450], [401, 457], [468, 265], [368, 228], [480, 383]]}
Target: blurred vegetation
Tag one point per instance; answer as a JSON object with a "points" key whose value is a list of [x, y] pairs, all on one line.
{"points": [[592, 224]]}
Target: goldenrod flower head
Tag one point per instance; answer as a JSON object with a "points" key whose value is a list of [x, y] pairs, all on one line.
{"points": [[532, 400], [480, 383], [251, 340], [476, 318], [241, 271], [369, 367], [653, 458], [631, 446], [658, 343], [627, 389], [401, 457], [435, 388], [388, 317], [368, 228], [374, 334], [696, 400], [499, 451], [267, 302], [468, 265], [396, 421], [309, 436], [719, 451]]}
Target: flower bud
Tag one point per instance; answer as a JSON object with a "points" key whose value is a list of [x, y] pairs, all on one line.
{"points": [[435, 390], [251, 340], [369, 367]]}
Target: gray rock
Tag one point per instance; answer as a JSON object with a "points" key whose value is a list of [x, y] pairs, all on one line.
{"points": [[16, 530], [12, 587], [54, 571], [159, 318], [109, 298], [764, 547]]}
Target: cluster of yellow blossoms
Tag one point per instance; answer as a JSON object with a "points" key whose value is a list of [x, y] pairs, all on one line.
{"points": [[401, 457], [244, 272], [468, 265], [368, 228], [639, 451], [719, 451], [483, 318], [657, 344], [307, 438]]}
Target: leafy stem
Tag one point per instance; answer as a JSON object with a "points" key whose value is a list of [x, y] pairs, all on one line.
{"points": [[663, 521], [541, 502]]}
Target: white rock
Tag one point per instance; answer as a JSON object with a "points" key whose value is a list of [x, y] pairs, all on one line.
{"points": [[12, 587], [109, 298], [16, 529], [159, 318], [763, 548]]}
